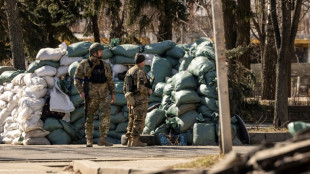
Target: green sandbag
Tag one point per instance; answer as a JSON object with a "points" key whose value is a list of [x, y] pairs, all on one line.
{"points": [[77, 114], [115, 109], [205, 111], [119, 87], [120, 99], [161, 68], [59, 136], [296, 127], [147, 68], [209, 78], [168, 89], [79, 124], [107, 53], [200, 66], [127, 50], [112, 126], [96, 134], [204, 134], [184, 80], [210, 103], [39, 63], [6, 68], [189, 137], [78, 49], [176, 51], [172, 61], [114, 134], [205, 40], [153, 99], [185, 97], [72, 68], [154, 118], [114, 140], [118, 118], [187, 59], [159, 48], [69, 129], [52, 124], [121, 128], [146, 130], [166, 102], [186, 121], [8, 76], [207, 91], [122, 60], [76, 100], [176, 111], [159, 89], [96, 124], [125, 109], [205, 49]]}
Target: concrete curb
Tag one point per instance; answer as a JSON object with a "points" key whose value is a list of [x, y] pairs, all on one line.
{"points": [[259, 137], [85, 166]]}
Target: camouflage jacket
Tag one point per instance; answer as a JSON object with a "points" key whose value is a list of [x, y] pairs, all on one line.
{"points": [[96, 90]]}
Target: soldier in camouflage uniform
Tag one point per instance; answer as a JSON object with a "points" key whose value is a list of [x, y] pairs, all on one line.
{"points": [[93, 77], [137, 91]]}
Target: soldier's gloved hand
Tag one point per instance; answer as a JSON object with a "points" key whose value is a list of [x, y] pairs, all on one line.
{"points": [[112, 98], [82, 95], [150, 91]]}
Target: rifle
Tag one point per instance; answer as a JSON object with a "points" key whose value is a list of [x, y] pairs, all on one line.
{"points": [[86, 91], [149, 84]]}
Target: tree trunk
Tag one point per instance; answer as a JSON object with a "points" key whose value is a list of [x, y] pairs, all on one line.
{"points": [[95, 27], [269, 61], [164, 28], [281, 105], [229, 24], [243, 31], [16, 36]]}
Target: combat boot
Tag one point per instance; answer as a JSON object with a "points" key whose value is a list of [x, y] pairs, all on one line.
{"points": [[137, 143], [103, 141], [89, 141], [129, 143]]}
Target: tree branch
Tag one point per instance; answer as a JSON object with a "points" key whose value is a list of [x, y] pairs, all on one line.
{"points": [[295, 21], [256, 25], [198, 28], [275, 24]]}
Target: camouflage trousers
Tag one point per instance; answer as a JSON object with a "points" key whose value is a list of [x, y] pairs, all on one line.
{"points": [[104, 108], [136, 119]]}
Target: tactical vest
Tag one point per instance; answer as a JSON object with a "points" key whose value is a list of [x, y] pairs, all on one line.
{"points": [[131, 80], [98, 74]]}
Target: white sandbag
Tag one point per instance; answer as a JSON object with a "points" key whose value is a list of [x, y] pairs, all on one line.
{"points": [[24, 114], [3, 104], [28, 77], [35, 133], [50, 54], [36, 141], [46, 71], [36, 91], [17, 89], [8, 87], [36, 104], [174, 72], [66, 61], [14, 113], [35, 81], [7, 140], [12, 106], [118, 68], [60, 101], [1, 89], [30, 125], [19, 80], [10, 126], [62, 70], [9, 119], [4, 114], [7, 96], [66, 118], [50, 81], [17, 141], [63, 46], [13, 134]]}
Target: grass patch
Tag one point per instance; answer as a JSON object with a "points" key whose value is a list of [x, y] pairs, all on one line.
{"points": [[266, 129], [203, 162]]}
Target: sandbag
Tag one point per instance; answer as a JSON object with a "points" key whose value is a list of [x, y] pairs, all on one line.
{"points": [[34, 81], [183, 123], [76, 114], [59, 136], [166, 102], [53, 54], [67, 61], [52, 124], [119, 87], [159, 47], [205, 111], [210, 78], [39, 63], [114, 134], [153, 99], [78, 49], [107, 53], [200, 66], [204, 134], [118, 118], [19, 80], [187, 59], [7, 96], [172, 61], [176, 51], [35, 91], [69, 129], [46, 71], [36, 141], [159, 89], [168, 89], [205, 50], [161, 68], [118, 68], [179, 110], [60, 102], [36, 104], [115, 109], [35, 133], [6, 68], [62, 70], [185, 97], [127, 50], [154, 118], [207, 91], [122, 60], [76, 100], [8, 76], [79, 124], [72, 68], [121, 128], [32, 124], [119, 99], [184, 80], [3, 104], [211, 103]]}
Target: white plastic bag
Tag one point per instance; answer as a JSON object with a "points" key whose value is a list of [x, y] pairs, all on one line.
{"points": [[46, 71], [60, 101], [50, 54]]}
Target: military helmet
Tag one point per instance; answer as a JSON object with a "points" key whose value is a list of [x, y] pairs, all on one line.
{"points": [[95, 47]]}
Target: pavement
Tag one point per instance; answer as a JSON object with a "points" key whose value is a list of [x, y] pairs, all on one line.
{"points": [[117, 159]]}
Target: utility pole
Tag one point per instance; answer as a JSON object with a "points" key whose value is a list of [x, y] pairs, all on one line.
{"points": [[221, 72]]}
